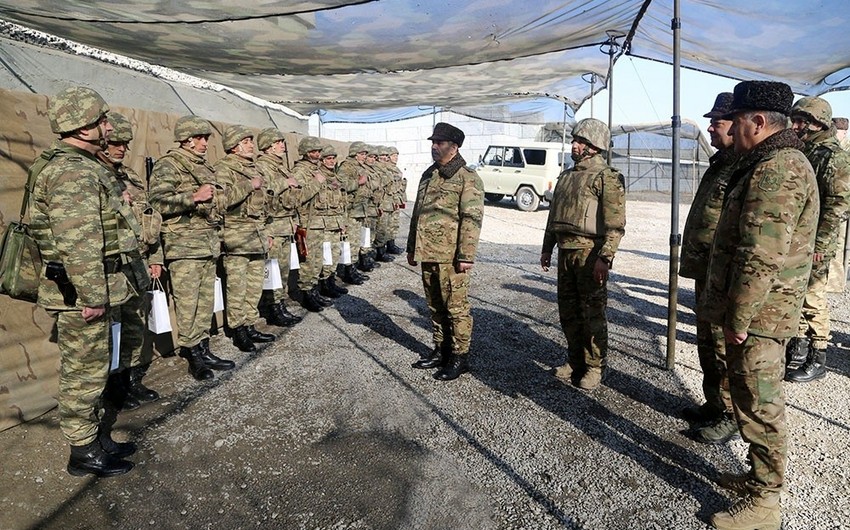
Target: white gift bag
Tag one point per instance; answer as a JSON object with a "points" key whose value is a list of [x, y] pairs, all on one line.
{"points": [[327, 253], [293, 257], [365, 237], [218, 305], [272, 279], [159, 321], [115, 358], [345, 253]]}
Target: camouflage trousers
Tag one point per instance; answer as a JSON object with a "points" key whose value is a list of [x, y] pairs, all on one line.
{"points": [[312, 270], [135, 350], [84, 368], [814, 318], [383, 230], [395, 222], [711, 350], [447, 295], [756, 370], [281, 252], [243, 288], [193, 291], [581, 308], [353, 230]]}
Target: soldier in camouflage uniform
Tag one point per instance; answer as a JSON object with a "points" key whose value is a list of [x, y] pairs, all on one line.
{"points": [[246, 242], [327, 213], [285, 197], [811, 119], [444, 231], [761, 259], [587, 219], [399, 199], [353, 178], [184, 190], [714, 419], [76, 219], [841, 125], [386, 203], [374, 211]]}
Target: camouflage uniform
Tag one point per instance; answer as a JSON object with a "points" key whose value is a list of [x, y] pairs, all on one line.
{"points": [[387, 200], [399, 198], [349, 173], [376, 192], [308, 274]]}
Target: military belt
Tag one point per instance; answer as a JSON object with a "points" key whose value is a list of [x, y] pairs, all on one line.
{"points": [[112, 264]]}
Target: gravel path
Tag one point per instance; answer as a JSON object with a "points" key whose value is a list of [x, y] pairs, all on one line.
{"points": [[330, 428]]}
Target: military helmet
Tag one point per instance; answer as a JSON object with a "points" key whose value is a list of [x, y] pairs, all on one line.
{"points": [[122, 131], [309, 143], [189, 126], [267, 137], [234, 134], [372, 150], [75, 108], [327, 151], [595, 132], [814, 108], [357, 147], [392, 150]]}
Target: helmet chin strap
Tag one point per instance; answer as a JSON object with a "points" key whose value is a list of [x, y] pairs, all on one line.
{"points": [[100, 141]]}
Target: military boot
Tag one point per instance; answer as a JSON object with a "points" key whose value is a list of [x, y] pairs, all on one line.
{"points": [[242, 341], [323, 300], [309, 301], [326, 290], [432, 359], [753, 512], [735, 482], [591, 379], [137, 389], [456, 365], [350, 276], [258, 336], [719, 432], [287, 314], [281, 317], [93, 459], [212, 360], [392, 248], [197, 367], [331, 281], [373, 258], [382, 255], [364, 264], [703, 414], [796, 353], [813, 369], [117, 392], [566, 372], [116, 449]]}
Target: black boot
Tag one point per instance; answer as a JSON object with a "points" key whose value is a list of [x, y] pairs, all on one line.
{"points": [[93, 459], [796, 353], [373, 258], [212, 360], [197, 366], [357, 274], [333, 286], [326, 290], [309, 301], [363, 263], [349, 275], [116, 449], [432, 359], [456, 366], [242, 340], [813, 369], [281, 317], [392, 248], [383, 256], [286, 313], [117, 392], [258, 336], [137, 389]]}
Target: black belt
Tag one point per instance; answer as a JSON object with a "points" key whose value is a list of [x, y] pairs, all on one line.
{"points": [[112, 264]]}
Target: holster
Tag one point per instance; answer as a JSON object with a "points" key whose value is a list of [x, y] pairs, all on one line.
{"points": [[56, 273]]}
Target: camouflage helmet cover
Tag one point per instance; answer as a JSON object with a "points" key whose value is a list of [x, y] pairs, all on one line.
{"points": [[75, 108], [814, 108], [595, 132], [309, 143], [392, 150], [234, 134], [357, 147], [267, 137], [189, 126], [372, 150], [328, 150], [122, 131]]}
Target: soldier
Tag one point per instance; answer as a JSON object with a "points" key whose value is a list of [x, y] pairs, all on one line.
{"points": [[135, 360], [375, 212], [75, 217], [353, 178], [328, 211], [184, 190], [399, 199], [811, 119], [761, 258], [841, 132], [715, 418], [444, 231], [586, 243], [246, 242], [282, 219], [385, 202]]}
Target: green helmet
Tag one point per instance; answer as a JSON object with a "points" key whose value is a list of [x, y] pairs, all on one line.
{"points": [[189, 126], [327, 151], [122, 131], [372, 150], [267, 137], [309, 143], [75, 108], [392, 150], [595, 132], [357, 147], [235, 134], [815, 109]]}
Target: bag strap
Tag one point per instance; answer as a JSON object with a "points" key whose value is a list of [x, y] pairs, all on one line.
{"points": [[35, 169]]}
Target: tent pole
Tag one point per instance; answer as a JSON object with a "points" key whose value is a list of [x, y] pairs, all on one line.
{"points": [[675, 237], [611, 47], [564, 141]]}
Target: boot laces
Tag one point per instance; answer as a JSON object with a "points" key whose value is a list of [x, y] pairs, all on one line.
{"points": [[747, 503]]}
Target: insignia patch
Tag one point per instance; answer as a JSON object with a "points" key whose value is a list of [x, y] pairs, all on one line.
{"points": [[769, 182]]}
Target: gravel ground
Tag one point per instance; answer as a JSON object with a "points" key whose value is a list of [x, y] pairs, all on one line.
{"points": [[330, 428]]}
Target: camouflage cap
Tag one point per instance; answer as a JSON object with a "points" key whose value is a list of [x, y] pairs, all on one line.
{"points": [[122, 131], [840, 123], [74, 108], [814, 109], [327, 151], [189, 126], [771, 96], [234, 134], [722, 104], [357, 147], [446, 131], [593, 131], [267, 137], [309, 143]]}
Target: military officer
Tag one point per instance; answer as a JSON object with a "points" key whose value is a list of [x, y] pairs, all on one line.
{"points": [[353, 178], [444, 231], [761, 259], [587, 244]]}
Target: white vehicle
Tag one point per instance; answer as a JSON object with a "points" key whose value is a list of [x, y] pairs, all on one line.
{"points": [[524, 170]]}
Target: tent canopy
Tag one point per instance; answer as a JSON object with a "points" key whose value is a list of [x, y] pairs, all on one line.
{"points": [[383, 54]]}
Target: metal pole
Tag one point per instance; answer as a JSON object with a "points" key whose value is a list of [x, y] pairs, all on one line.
{"points": [[611, 47], [675, 237], [564, 141]]}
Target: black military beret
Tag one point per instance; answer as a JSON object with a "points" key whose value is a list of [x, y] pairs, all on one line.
{"points": [[761, 95], [445, 131], [840, 123], [722, 104]]}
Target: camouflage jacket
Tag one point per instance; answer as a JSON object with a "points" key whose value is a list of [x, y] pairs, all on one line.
{"points": [[832, 169], [704, 214], [304, 172], [375, 190], [400, 186], [387, 190], [447, 216], [761, 257], [327, 210], [348, 173], [284, 199], [588, 209], [76, 217], [244, 230], [149, 219]]}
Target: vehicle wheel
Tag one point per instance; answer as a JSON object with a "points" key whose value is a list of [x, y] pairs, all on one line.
{"points": [[494, 197], [526, 199]]}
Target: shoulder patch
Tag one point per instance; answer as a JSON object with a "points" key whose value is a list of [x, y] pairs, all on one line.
{"points": [[769, 182]]}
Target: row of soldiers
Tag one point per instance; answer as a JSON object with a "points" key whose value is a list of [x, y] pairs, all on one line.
{"points": [[106, 236]]}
